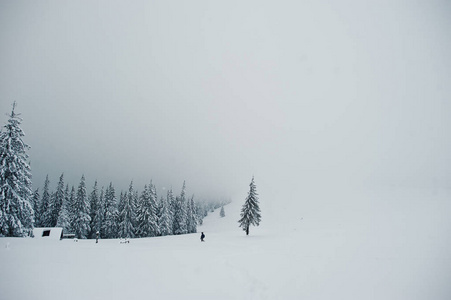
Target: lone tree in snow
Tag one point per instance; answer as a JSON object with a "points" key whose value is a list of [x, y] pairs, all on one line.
{"points": [[250, 213], [16, 212], [222, 212]]}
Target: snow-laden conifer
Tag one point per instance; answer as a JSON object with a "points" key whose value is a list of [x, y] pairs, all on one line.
{"points": [[191, 221], [111, 215], [222, 212], [146, 219], [36, 204], [180, 213], [164, 220], [55, 203], [81, 212], [126, 227], [64, 215], [250, 212], [16, 212], [94, 210], [45, 218], [171, 205], [71, 208], [97, 212]]}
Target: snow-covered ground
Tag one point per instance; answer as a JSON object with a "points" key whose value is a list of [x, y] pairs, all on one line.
{"points": [[372, 245]]}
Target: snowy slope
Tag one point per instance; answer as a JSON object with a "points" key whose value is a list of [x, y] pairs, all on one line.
{"points": [[390, 245]]}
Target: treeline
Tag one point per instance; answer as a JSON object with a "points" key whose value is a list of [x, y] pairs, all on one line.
{"points": [[129, 214]]}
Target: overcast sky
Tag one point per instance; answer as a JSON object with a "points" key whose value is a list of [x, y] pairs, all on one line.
{"points": [[297, 93]]}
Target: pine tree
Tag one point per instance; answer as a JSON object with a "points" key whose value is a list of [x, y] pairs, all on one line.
{"points": [[111, 215], [45, 220], [146, 219], [171, 205], [71, 208], [64, 215], [250, 212], [200, 213], [222, 212], [94, 210], [81, 212], [164, 220], [191, 222], [126, 228], [120, 205], [180, 213], [16, 212], [55, 203], [100, 213], [36, 204], [154, 203]]}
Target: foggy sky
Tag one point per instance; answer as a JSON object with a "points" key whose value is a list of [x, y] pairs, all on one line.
{"points": [[297, 93]]}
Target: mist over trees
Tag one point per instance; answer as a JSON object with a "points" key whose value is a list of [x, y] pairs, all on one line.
{"points": [[134, 215], [85, 211]]}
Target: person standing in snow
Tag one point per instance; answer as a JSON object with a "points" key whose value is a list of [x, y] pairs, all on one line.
{"points": [[202, 236]]}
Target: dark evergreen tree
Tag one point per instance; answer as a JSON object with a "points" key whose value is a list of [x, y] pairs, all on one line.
{"points": [[71, 208], [16, 212], [111, 215], [100, 213], [56, 201], [36, 204], [191, 221], [64, 216], [126, 228], [146, 219], [46, 219], [179, 224], [121, 203], [164, 220], [222, 212], [81, 212], [200, 213], [170, 200], [250, 212], [94, 210]]}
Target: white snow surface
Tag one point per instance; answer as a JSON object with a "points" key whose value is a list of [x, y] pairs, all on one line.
{"points": [[373, 245]]}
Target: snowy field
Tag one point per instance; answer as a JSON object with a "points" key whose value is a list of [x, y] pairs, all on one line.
{"points": [[382, 245]]}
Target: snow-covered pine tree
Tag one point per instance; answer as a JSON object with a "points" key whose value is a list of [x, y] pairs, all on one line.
{"points": [[16, 212], [180, 213], [36, 204], [100, 213], [56, 201], [111, 215], [250, 212], [121, 203], [71, 208], [199, 213], [146, 219], [63, 217], [94, 209], [45, 220], [171, 204], [191, 222], [81, 211], [126, 228], [222, 212], [164, 220], [154, 202]]}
